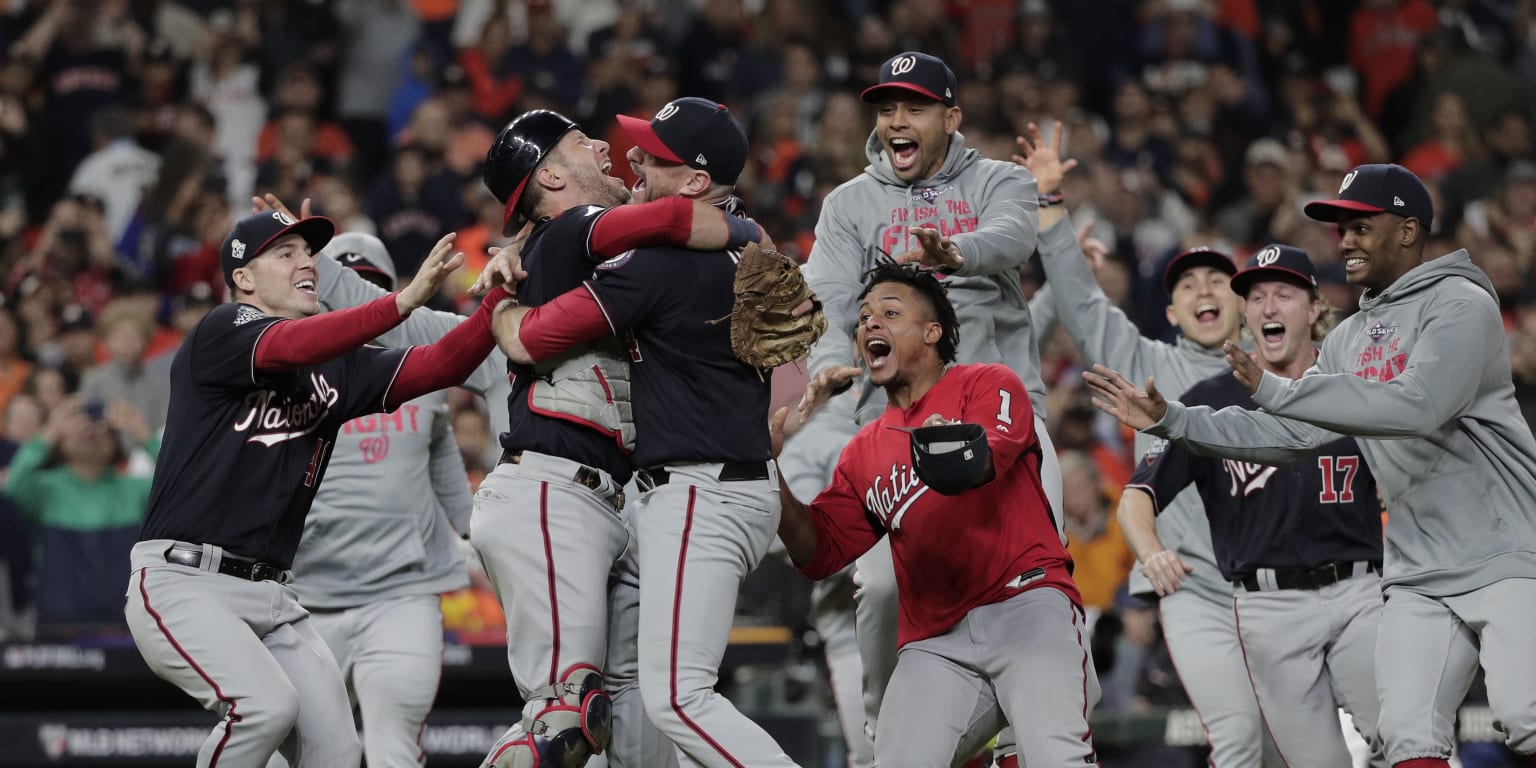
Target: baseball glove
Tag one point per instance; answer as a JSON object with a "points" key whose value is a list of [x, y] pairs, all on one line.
{"points": [[765, 332]]}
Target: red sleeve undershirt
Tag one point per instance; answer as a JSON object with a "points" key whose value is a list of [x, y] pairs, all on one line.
{"points": [[449, 361], [575, 317], [292, 344], [624, 227]]}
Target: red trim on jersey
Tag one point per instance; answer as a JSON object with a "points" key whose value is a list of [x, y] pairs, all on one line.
{"points": [[1237, 623], [574, 317], [1210, 748], [1426, 762], [451, 359], [288, 345], [549, 567], [229, 719], [660, 222], [1077, 625], [618, 437], [677, 612]]}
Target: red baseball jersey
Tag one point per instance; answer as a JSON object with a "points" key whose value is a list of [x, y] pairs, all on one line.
{"points": [[952, 553]]}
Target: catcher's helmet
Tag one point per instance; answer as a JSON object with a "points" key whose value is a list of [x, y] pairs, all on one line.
{"points": [[951, 458], [519, 148]]}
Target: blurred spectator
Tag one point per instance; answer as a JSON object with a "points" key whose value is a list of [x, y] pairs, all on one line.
{"points": [[228, 84], [1383, 35], [544, 61], [84, 514], [14, 369], [413, 206], [161, 88], [162, 241], [51, 384], [118, 171], [336, 198], [1451, 142], [125, 333], [1507, 217], [1270, 205], [1505, 141], [376, 31], [418, 79], [495, 86], [472, 431], [186, 310], [715, 60], [74, 250], [1101, 560], [458, 141], [299, 89], [74, 348], [1134, 145], [657, 85]]}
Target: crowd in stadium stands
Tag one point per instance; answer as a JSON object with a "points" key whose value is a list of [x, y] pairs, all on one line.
{"points": [[132, 132]]}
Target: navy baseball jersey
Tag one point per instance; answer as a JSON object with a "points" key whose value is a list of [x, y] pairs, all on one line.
{"points": [[251, 446], [558, 258], [1315, 510], [693, 400]]}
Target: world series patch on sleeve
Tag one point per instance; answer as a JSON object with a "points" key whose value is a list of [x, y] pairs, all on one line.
{"points": [[765, 331]]}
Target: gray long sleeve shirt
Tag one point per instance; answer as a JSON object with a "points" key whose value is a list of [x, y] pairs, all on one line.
{"points": [[985, 206], [1103, 334], [1420, 376]]}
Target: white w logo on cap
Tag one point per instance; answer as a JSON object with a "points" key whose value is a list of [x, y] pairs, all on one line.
{"points": [[283, 218], [903, 65], [1268, 256], [666, 112], [1349, 178]]}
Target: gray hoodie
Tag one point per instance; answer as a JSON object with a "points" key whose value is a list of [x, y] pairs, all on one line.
{"points": [[986, 207], [1420, 376], [387, 518], [1104, 335]]}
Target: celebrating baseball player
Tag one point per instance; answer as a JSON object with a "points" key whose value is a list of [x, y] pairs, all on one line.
{"points": [[1420, 376], [925, 197], [260, 389], [380, 544], [710, 502], [1301, 544], [549, 521], [1197, 619], [991, 624]]}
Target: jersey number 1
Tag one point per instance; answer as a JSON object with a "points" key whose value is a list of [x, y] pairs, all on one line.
{"points": [[1345, 493], [1002, 411]]}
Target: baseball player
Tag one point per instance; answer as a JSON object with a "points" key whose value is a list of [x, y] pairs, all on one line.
{"points": [[549, 521], [1197, 620], [380, 544], [1420, 377], [990, 622], [260, 389], [1301, 544], [710, 502], [925, 195]]}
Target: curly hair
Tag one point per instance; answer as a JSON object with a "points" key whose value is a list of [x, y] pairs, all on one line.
{"points": [[923, 282]]}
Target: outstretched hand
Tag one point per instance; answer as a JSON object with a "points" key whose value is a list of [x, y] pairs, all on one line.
{"points": [[1043, 158], [1118, 397], [934, 250], [441, 262], [505, 267], [269, 202], [1244, 369], [1166, 571]]}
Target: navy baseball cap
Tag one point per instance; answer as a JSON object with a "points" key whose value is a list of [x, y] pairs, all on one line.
{"points": [[1198, 256], [1276, 262], [362, 252], [1377, 188], [254, 233], [914, 72], [696, 132]]}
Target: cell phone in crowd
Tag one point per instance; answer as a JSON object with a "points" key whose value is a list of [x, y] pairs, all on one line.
{"points": [[96, 411]]}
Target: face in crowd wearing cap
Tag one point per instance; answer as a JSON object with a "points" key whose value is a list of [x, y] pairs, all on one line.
{"points": [[915, 113], [1383, 215], [1279, 285], [691, 148], [1201, 303], [269, 262]]}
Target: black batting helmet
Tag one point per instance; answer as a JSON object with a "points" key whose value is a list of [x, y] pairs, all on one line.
{"points": [[519, 148]]}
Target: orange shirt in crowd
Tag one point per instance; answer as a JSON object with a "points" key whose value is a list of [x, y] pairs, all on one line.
{"points": [[1101, 565], [331, 143]]}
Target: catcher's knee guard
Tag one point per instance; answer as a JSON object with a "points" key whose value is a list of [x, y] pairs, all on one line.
{"points": [[569, 732]]}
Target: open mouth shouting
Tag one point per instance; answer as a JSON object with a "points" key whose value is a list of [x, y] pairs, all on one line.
{"points": [[306, 286], [903, 153], [877, 352], [1272, 334], [1207, 314]]}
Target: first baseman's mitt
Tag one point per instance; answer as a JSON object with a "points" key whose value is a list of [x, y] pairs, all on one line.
{"points": [[765, 332]]}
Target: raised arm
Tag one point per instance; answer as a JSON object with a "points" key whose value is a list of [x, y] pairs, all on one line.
{"points": [[835, 271], [671, 221], [449, 361], [1433, 384], [1007, 229]]}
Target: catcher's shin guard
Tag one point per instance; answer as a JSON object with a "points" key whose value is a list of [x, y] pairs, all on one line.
{"points": [[567, 733]]}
